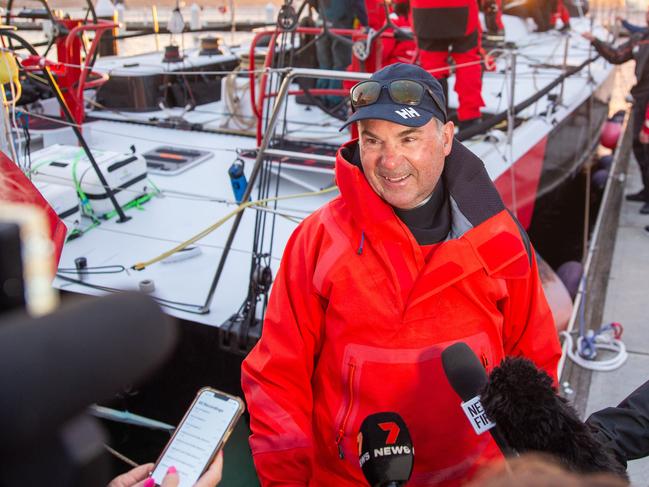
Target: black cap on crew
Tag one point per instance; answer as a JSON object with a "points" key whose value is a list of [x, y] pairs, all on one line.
{"points": [[411, 116]]}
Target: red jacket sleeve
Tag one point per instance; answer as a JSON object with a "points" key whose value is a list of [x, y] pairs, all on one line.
{"points": [[528, 328], [276, 375]]}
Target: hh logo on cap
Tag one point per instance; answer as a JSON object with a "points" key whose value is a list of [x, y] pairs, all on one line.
{"points": [[407, 113]]}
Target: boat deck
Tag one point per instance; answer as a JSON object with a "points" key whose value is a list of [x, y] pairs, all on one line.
{"points": [[626, 298]]}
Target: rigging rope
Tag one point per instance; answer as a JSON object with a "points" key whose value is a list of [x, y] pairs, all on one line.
{"points": [[261, 202]]}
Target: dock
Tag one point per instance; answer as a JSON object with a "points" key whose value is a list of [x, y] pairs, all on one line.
{"points": [[626, 303]]}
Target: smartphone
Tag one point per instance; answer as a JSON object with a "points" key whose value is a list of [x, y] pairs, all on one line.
{"points": [[203, 431]]}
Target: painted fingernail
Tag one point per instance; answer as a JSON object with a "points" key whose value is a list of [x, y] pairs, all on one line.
{"points": [[149, 482], [172, 470]]}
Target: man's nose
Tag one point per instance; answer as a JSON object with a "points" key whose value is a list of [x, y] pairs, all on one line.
{"points": [[390, 156]]}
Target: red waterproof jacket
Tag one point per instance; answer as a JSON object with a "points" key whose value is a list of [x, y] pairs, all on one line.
{"points": [[398, 50], [357, 321]]}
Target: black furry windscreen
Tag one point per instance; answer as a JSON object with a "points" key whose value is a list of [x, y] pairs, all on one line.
{"points": [[521, 400]]}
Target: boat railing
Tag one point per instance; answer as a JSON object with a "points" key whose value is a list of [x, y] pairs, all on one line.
{"points": [[73, 114], [264, 151], [351, 36]]}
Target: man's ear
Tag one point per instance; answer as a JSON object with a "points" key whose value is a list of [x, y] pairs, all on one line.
{"points": [[448, 131]]}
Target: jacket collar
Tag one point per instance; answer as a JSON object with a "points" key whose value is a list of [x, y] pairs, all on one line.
{"points": [[497, 247]]}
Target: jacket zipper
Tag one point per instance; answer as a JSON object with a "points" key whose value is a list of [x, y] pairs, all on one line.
{"points": [[343, 424], [485, 360]]}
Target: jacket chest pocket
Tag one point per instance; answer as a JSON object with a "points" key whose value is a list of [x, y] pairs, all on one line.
{"points": [[412, 383]]}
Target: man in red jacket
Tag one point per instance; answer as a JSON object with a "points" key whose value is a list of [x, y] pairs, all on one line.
{"points": [[417, 253]]}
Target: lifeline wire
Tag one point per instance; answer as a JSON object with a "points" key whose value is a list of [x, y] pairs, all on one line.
{"points": [[141, 265]]}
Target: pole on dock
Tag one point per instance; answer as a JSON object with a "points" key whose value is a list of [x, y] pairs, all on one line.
{"points": [[233, 21], [566, 45], [156, 26]]}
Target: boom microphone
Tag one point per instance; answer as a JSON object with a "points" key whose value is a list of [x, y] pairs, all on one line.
{"points": [[385, 450], [467, 377], [533, 417], [53, 367]]}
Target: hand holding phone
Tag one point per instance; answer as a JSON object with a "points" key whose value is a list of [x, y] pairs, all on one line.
{"points": [[210, 478], [139, 476], [199, 437]]}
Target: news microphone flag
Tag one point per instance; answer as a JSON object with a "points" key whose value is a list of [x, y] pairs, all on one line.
{"points": [[467, 377], [386, 453]]}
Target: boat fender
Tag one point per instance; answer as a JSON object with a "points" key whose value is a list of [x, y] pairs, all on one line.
{"points": [[147, 286], [195, 17], [618, 117], [605, 162], [610, 134], [238, 179], [599, 178], [570, 274]]}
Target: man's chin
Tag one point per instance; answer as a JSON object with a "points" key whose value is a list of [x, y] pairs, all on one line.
{"points": [[400, 203]]}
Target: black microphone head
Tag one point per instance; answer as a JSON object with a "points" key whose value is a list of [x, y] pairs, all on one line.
{"points": [[463, 370], [385, 449]]}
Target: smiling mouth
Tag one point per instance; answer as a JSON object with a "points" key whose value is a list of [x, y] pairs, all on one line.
{"points": [[395, 180]]}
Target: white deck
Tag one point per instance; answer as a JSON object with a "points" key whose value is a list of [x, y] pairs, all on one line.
{"points": [[197, 198]]}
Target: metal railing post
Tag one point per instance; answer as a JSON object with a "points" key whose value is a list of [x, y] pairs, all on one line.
{"points": [[282, 95]]}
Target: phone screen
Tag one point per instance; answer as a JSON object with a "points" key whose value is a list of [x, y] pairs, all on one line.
{"points": [[197, 437]]}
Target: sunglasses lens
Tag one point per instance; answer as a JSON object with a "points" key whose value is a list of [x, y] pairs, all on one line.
{"points": [[365, 93], [406, 92]]}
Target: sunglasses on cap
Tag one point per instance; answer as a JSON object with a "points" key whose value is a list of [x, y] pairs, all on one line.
{"points": [[401, 91]]}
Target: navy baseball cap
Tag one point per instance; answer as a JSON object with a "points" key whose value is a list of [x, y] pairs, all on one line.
{"points": [[432, 102]]}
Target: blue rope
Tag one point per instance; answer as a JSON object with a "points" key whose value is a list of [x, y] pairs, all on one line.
{"points": [[588, 343]]}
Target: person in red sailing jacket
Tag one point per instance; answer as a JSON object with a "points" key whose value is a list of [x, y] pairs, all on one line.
{"points": [[418, 252], [397, 49], [452, 27], [560, 12]]}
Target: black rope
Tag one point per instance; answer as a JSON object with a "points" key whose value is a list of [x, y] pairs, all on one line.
{"points": [[167, 303]]}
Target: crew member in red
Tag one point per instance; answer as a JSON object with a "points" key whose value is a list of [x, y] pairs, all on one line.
{"points": [[452, 27], [560, 12], [375, 13], [417, 253], [493, 17], [397, 49]]}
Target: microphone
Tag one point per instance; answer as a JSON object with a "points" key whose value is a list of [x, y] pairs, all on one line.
{"points": [[533, 417], [468, 377], [55, 366], [386, 454]]}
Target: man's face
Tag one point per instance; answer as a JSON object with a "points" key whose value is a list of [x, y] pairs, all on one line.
{"points": [[403, 164]]}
